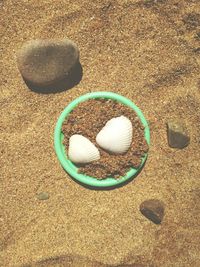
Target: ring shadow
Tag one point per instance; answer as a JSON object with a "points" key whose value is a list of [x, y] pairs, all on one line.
{"points": [[109, 188], [72, 79]]}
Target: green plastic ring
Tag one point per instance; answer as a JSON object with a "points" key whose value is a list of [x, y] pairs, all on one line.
{"points": [[70, 168]]}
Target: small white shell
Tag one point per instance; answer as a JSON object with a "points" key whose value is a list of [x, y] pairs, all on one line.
{"points": [[116, 135], [81, 150]]}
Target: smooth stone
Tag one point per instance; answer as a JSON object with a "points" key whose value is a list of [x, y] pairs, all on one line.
{"points": [[177, 134], [153, 210], [44, 62], [43, 196]]}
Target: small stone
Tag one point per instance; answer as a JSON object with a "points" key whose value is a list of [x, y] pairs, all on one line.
{"points": [[44, 62], [177, 134], [153, 210], [43, 196]]}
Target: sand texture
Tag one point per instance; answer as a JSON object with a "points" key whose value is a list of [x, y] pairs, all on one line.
{"points": [[147, 51]]}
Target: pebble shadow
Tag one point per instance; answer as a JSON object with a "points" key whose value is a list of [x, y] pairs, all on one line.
{"points": [[72, 79]]}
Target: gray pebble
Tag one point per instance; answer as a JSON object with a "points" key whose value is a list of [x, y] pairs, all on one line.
{"points": [[153, 210], [177, 134], [43, 196], [44, 62]]}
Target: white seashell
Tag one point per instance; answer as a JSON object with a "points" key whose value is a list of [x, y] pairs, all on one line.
{"points": [[81, 150], [116, 135]]}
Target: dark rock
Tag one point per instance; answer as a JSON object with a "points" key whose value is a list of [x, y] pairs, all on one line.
{"points": [[153, 210], [44, 62], [177, 134], [43, 196]]}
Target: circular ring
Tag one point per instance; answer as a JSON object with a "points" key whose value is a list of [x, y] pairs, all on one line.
{"points": [[69, 167]]}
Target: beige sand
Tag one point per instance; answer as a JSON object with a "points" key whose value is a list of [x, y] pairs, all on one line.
{"points": [[144, 50]]}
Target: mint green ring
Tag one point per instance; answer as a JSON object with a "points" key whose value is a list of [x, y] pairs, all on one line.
{"points": [[69, 167]]}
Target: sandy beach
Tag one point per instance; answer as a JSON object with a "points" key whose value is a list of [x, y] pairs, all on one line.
{"points": [[145, 50]]}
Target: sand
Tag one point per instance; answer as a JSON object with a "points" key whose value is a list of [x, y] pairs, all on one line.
{"points": [[147, 51]]}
